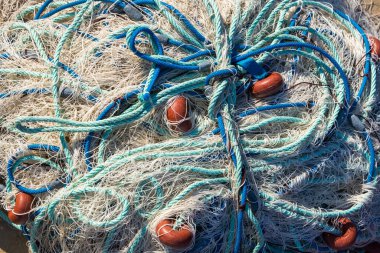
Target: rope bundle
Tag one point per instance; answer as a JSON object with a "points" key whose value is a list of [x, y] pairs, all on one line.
{"points": [[197, 126]]}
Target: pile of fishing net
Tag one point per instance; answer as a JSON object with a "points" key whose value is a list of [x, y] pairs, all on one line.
{"points": [[190, 126]]}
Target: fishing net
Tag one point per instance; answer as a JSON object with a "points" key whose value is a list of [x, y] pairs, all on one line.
{"points": [[190, 126]]}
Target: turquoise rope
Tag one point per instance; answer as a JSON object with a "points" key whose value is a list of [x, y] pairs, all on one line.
{"points": [[222, 102]]}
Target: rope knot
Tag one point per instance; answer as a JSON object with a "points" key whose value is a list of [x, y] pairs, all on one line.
{"points": [[253, 68], [145, 99]]}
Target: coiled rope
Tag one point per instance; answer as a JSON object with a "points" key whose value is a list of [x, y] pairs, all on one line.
{"points": [[227, 169]]}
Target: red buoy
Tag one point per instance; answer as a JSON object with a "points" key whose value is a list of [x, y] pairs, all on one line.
{"points": [[17, 219], [178, 113], [23, 203], [375, 46], [268, 86], [179, 239], [344, 241]]}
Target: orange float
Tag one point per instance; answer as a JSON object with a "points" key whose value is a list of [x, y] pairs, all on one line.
{"points": [[375, 45], [17, 219], [179, 239], [344, 241], [23, 204], [268, 86], [178, 113]]}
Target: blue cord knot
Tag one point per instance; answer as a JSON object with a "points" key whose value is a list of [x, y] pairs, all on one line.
{"points": [[253, 68], [145, 97]]}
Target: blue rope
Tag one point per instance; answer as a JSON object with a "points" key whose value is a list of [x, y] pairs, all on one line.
{"points": [[150, 91], [372, 157], [157, 44], [304, 45], [179, 15], [243, 196], [367, 66], [112, 107], [42, 8], [50, 187]]}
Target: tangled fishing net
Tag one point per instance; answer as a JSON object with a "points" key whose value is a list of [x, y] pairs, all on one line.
{"points": [[190, 126]]}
